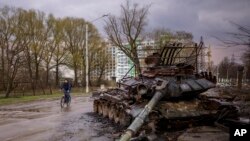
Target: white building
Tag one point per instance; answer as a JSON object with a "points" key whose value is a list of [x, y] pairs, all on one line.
{"points": [[111, 65], [119, 64], [123, 65]]}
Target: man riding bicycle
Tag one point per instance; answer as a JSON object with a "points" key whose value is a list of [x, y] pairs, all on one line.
{"points": [[66, 87]]}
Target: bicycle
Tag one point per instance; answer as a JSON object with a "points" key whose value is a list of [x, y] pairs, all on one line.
{"points": [[65, 101]]}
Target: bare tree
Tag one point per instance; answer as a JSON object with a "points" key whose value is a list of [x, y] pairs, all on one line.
{"points": [[239, 38], [57, 44], [54, 52], [242, 37], [32, 44], [127, 28], [11, 49], [161, 36], [164, 36], [74, 41], [50, 48], [99, 60], [34, 38], [97, 55]]}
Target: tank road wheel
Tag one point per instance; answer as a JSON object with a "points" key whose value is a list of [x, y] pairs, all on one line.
{"points": [[124, 119], [111, 112], [105, 109], [116, 114], [100, 105], [95, 106]]}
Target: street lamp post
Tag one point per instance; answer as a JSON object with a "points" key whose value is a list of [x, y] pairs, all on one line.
{"points": [[87, 60], [87, 53]]}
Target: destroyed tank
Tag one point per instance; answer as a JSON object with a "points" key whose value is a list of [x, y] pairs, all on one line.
{"points": [[165, 96]]}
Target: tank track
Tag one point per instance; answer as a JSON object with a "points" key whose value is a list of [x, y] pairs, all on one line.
{"points": [[115, 112], [119, 114]]}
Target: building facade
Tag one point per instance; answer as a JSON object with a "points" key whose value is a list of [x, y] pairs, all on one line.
{"points": [[111, 65], [120, 65]]}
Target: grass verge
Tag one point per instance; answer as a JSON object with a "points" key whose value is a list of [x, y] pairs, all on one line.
{"points": [[24, 99]]}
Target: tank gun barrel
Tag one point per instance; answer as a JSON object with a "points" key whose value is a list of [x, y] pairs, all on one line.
{"points": [[139, 120]]}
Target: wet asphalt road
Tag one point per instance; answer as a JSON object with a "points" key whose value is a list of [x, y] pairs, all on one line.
{"points": [[47, 121]]}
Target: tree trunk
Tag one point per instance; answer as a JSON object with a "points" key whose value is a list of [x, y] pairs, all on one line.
{"points": [[9, 87], [83, 77], [90, 84], [76, 78], [137, 64], [37, 72], [30, 71], [100, 76], [50, 89], [42, 86], [36, 76], [57, 73], [7, 94], [47, 75], [3, 68], [33, 87]]}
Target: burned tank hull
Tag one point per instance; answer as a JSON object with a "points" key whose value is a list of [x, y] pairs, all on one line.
{"points": [[165, 96], [180, 103]]}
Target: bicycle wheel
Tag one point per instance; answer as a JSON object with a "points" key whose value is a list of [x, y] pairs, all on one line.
{"points": [[69, 101], [62, 102]]}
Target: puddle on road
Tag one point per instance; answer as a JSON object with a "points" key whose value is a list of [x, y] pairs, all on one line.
{"points": [[66, 109], [103, 125], [25, 113], [27, 108], [87, 127]]}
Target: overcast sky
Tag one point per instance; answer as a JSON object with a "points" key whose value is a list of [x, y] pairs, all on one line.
{"points": [[205, 18]]}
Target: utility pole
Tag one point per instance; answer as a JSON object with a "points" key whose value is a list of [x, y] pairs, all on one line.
{"points": [[87, 60], [87, 53]]}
